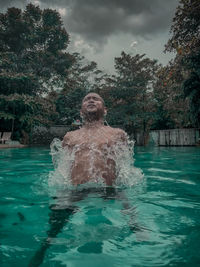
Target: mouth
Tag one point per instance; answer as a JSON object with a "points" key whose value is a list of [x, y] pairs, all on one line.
{"points": [[91, 106]]}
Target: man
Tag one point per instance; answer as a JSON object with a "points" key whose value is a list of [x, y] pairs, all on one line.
{"points": [[94, 145], [95, 150]]}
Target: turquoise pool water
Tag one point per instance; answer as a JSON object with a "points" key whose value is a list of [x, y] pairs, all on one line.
{"points": [[156, 223]]}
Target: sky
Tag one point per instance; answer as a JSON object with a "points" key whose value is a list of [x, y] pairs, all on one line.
{"points": [[101, 29]]}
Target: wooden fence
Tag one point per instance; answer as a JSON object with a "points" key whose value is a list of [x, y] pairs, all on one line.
{"points": [[175, 137]]}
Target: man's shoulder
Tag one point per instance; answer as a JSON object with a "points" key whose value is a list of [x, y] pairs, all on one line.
{"points": [[70, 134], [70, 137], [117, 131]]}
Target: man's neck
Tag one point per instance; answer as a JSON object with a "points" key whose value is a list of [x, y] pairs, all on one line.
{"points": [[93, 124]]}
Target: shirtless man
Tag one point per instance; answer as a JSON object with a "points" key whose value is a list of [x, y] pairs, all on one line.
{"points": [[95, 148], [94, 144]]}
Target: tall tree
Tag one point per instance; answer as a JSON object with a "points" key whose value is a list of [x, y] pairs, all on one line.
{"points": [[133, 104], [172, 108], [185, 28], [32, 62], [191, 87], [185, 41]]}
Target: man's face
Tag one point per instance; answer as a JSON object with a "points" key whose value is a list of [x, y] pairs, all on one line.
{"points": [[93, 103]]}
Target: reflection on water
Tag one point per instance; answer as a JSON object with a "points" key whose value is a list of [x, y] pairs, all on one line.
{"points": [[96, 226]]}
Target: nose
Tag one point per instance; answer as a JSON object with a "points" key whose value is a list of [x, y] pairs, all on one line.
{"points": [[91, 100]]}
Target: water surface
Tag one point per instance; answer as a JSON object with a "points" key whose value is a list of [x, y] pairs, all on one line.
{"points": [[156, 223]]}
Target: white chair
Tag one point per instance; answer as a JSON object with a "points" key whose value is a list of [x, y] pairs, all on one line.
{"points": [[5, 137]]}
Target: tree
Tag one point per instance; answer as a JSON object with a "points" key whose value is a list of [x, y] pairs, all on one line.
{"points": [[33, 42], [32, 62], [22, 112], [191, 88], [185, 28], [172, 107], [68, 105], [185, 41], [133, 105]]}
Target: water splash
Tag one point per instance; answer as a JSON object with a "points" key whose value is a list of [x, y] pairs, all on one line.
{"points": [[127, 173], [63, 159]]}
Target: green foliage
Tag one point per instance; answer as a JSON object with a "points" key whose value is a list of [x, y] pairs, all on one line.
{"points": [[6, 116], [33, 61], [185, 28], [33, 43], [32, 29], [18, 83], [26, 109], [68, 105], [131, 102], [185, 41], [191, 88], [172, 108], [162, 119], [80, 74]]}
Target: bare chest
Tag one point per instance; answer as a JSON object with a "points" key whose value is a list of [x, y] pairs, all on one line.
{"points": [[92, 139]]}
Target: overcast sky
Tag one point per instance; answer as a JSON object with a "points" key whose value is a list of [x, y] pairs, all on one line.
{"points": [[101, 29]]}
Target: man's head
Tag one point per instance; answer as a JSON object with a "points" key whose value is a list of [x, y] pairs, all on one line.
{"points": [[93, 107]]}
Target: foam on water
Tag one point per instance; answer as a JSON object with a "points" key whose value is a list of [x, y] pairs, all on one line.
{"points": [[127, 174]]}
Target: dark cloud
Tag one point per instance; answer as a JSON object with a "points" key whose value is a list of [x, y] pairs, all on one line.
{"points": [[96, 20], [4, 4]]}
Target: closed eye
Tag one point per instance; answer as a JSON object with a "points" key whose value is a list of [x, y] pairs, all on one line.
{"points": [[94, 98]]}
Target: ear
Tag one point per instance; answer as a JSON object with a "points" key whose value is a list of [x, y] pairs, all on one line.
{"points": [[81, 114], [105, 111]]}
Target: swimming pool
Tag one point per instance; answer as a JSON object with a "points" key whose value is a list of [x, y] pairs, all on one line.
{"points": [[159, 227]]}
